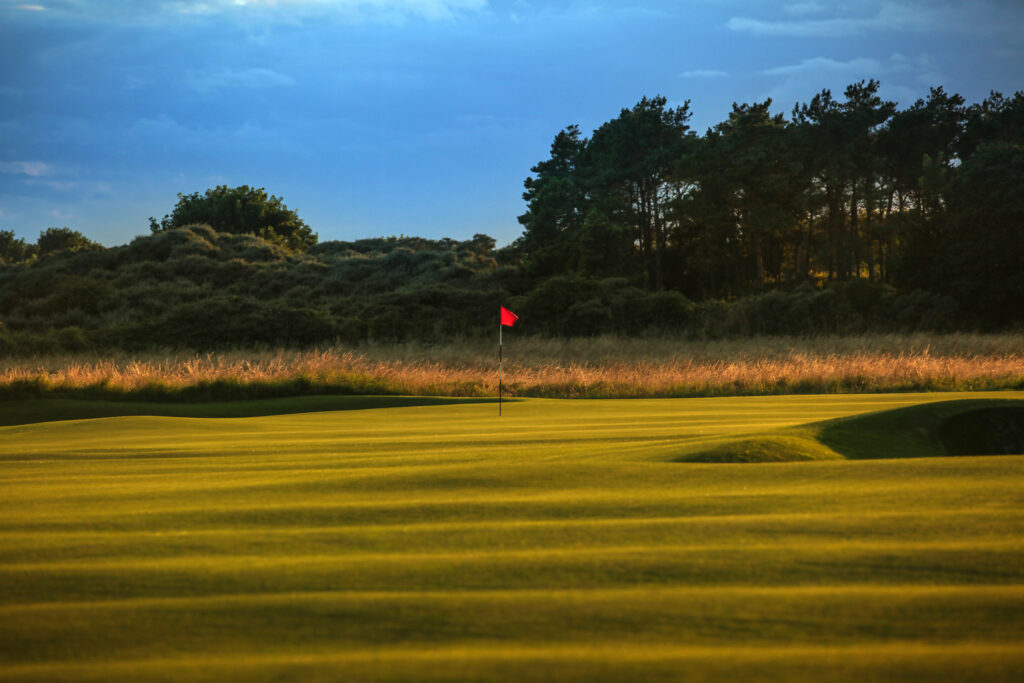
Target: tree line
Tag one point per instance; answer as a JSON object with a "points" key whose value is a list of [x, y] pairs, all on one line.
{"points": [[929, 197], [848, 216], [198, 288]]}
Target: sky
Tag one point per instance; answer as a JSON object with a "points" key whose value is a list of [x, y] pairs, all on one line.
{"points": [[418, 117]]}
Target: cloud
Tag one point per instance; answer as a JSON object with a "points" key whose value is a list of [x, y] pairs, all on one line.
{"points": [[169, 139], [29, 168], [903, 79], [826, 65], [431, 9], [704, 73], [920, 69], [800, 9], [30, 8], [246, 78], [108, 11], [195, 8], [889, 16], [59, 185], [817, 28]]}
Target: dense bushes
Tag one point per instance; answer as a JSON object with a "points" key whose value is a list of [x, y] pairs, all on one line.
{"points": [[850, 307], [570, 305], [197, 288], [574, 306]]}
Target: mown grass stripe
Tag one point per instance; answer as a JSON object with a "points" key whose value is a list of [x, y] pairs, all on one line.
{"points": [[739, 591], [359, 621], [936, 521], [361, 555], [967, 661]]}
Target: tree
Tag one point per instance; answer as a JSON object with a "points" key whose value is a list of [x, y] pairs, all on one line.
{"points": [[918, 149], [999, 120], [929, 128], [554, 207], [841, 139], [241, 211], [631, 165], [53, 240], [603, 207], [985, 244], [14, 249], [706, 229], [758, 179]]}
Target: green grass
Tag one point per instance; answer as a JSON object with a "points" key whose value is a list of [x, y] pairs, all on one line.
{"points": [[404, 541]]}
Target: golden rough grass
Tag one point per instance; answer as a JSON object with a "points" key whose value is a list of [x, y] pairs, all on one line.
{"points": [[595, 367]]}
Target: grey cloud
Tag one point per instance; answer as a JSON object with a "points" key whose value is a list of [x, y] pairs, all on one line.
{"points": [[904, 79], [819, 65], [817, 28], [879, 16]]}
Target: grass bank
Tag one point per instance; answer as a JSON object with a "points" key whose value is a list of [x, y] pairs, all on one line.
{"points": [[600, 367]]}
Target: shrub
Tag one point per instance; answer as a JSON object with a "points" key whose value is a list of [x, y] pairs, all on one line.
{"points": [[547, 305], [53, 240], [924, 311], [240, 211], [72, 339], [666, 311]]}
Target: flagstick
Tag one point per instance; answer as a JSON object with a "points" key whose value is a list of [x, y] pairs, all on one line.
{"points": [[499, 369]]}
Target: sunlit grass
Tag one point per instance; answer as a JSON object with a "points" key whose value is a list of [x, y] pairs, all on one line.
{"points": [[560, 542]]}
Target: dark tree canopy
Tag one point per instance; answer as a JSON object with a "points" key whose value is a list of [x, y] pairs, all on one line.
{"points": [[848, 189], [240, 211], [594, 199]]}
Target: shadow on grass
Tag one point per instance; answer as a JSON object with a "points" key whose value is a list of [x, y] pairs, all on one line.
{"points": [[50, 410], [962, 427]]}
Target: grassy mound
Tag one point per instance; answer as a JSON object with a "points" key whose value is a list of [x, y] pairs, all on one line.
{"points": [[778, 448], [963, 427]]}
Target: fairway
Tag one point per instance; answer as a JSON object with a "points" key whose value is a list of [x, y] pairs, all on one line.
{"points": [[566, 540]]}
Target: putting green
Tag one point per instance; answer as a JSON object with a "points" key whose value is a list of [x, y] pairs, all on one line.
{"points": [[561, 541]]}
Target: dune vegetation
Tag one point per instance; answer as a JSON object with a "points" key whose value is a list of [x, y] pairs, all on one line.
{"points": [[423, 539]]}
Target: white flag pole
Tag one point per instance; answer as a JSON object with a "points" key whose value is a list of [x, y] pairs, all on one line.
{"points": [[499, 363]]}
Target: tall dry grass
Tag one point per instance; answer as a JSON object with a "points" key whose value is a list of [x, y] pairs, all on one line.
{"points": [[601, 367]]}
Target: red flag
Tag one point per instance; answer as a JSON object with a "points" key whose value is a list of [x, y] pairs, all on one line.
{"points": [[508, 318]]}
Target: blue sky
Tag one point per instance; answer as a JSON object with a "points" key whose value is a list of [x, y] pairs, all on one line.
{"points": [[416, 117]]}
